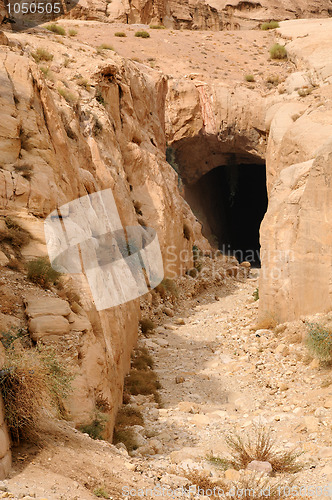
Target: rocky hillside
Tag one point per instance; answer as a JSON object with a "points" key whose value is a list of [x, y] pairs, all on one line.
{"points": [[201, 14]]}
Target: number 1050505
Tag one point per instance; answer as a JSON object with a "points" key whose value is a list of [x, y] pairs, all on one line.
{"points": [[34, 8]]}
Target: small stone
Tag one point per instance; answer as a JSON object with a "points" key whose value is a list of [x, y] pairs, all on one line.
{"points": [[315, 363], [179, 321], [311, 423], [245, 264], [232, 475], [282, 349], [179, 380], [258, 466], [283, 386], [325, 452], [168, 312]]}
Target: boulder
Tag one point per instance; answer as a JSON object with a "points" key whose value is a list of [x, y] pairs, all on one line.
{"points": [[43, 326], [42, 306]]}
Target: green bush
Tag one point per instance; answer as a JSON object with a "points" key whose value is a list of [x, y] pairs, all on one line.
{"points": [[105, 46], [270, 26], [278, 51], [101, 493], [55, 28], [120, 34], [157, 27], [319, 341], [72, 32], [142, 34], [42, 273], [256, 294], [41, 54], [97, 426], [249, 78]]}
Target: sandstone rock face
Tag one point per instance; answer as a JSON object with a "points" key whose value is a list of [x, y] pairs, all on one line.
{"points": [[202, 14], [295, 233], [73, 149]]}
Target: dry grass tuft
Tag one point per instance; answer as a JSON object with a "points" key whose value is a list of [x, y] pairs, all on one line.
{"points": [[147, 325], [14, 235], [141, 359], [261, 446], [32, 379], [167, 289], [42, 273]]}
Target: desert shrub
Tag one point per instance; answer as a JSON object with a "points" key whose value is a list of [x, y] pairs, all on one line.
{"points": [[56, 28], [125, 436], [249, 78], [72, 32], [14, 235], [141, 359], [319, 341], [97, 127], [42, 273], [28, 383], [273, 79], [167, 288], [187, 232], [67, 95], [157, 27], [142, 34], [99, 97], [278, 51], [220, 463], [142, 382], [101, 493], [261, 446], [104, 46], [304, 92], [41, 54], [128, 416], [83, 82], [147, 325], [270, 26], [256, 294], [97, 426], [120, 34]]}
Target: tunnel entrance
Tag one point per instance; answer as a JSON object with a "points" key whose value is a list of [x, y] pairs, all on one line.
{"points": [[231, 201]]}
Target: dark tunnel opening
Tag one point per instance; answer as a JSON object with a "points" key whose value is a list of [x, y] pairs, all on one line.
{"points": [[231, 202]]}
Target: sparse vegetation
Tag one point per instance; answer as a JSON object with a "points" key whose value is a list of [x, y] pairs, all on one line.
{"points": [[273, 79], [101, 493], [72, 32], [104, 46], [256, 294], [31, 379], [83, 82], [14, 235], [249, 78], [99, 97], [142, 34], [142, 382], [120, 34], [319, 341], [278, 51], [167, 288], [97, 426], [147, 325], [41, 54], [67, 95], [42, 273], [270, 26], [157, 27], [261, 446], [125, 436], [56, 28], [305, 91], [141, 359], [97, 127]]}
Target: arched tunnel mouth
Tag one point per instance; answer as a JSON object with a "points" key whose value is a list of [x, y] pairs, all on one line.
{"points": [[230, 202]]}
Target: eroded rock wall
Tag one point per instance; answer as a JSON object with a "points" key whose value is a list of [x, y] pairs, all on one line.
{"points": [[54, 150]]}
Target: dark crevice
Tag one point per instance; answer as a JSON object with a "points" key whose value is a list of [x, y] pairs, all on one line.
{"points": [[231, 201]]}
